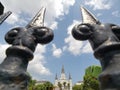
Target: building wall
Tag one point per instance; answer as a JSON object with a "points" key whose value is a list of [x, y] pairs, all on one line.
{"points": [[63, 82]]}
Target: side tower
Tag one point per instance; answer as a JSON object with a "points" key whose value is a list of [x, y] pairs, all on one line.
{"points": [[56, 81], [70, 82]]}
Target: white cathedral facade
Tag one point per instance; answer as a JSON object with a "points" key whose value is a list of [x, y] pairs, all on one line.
{"points": [[63, 83]]}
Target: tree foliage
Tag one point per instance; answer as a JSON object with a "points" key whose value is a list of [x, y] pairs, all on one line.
{"points": [[42, 86], [93, 71], [31, 83], [90, 80], [77, 87], [90, 83], [45, 86]]}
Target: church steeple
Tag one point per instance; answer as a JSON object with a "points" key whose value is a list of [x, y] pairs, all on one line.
{"points": [[56, 77], [62, 71], [63, 77], [70, 76]]}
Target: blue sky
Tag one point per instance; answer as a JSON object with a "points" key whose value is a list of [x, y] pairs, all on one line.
{"points": [[61, 16]]}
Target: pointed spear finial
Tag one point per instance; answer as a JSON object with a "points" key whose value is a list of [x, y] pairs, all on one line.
{"points": [[38, 20], [88, 17]]}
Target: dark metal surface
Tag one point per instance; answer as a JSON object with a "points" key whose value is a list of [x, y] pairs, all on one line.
{"points": [[13, 75], [3, 16], [88, 17], [105, 42], [1, 8], [38, 20]]}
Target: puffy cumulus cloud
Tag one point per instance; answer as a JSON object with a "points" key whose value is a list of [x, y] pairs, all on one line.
{"points": [[74, 46], [56, 51], [87, 48], [99, 14], [116, 13], [67, 4], [99, 4], [36, 67], [55, 9], [15, 19], [12, 19], [54, 25], [3, 48]]}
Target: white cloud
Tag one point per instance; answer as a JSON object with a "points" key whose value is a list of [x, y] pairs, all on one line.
{"points": [[54, 9], [116, 13], [67, 4], [36, 66], [54, 25], [87, 48], [12, 19], [74, 46], [99, 14], [56, 51], [99, 4], [3, 48]]}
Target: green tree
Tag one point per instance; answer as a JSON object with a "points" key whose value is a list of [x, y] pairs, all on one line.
{"points": [[31, 85], [64, 84], [45, 86], [90, 80], [42, 86], [77, 87], [90, 83], [39, 87], [93, 71], [68, 86], [60, 85], [48, 85]]}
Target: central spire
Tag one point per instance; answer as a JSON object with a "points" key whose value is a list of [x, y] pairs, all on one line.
{"points": [[63, 73]]}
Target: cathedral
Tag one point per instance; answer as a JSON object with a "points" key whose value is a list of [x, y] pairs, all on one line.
{"points": [[63, 83]]}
